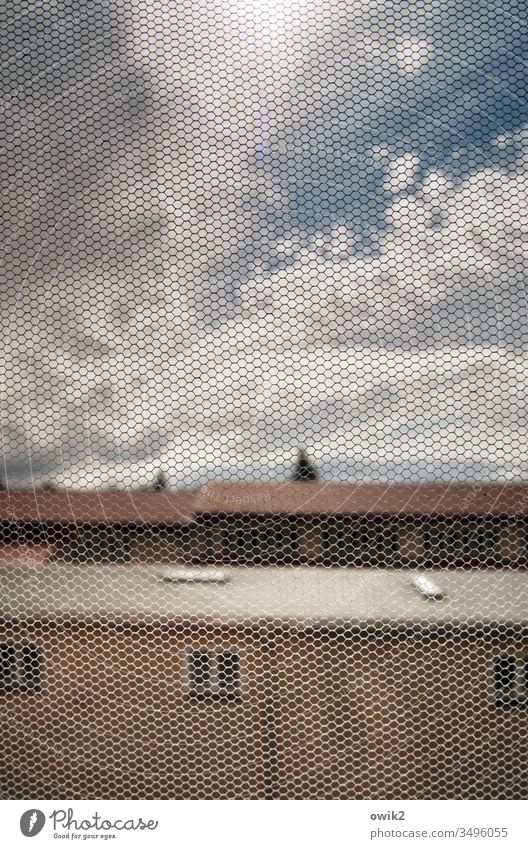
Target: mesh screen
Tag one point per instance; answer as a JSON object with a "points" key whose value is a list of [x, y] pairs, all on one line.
{"points": [[263, 515]]}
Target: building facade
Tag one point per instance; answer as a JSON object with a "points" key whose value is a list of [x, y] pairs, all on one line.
{"points": [[266, 684], [314, 524], [266, 641]]}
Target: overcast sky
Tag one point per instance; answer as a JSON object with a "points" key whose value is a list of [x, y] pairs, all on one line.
{"points": [[229, 229]]}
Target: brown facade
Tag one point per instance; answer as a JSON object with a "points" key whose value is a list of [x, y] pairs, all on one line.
{"points": [[123, 676], [412, 716], [269, 524], [319, 714], [113, 721], [250, 539], [254, 540]]}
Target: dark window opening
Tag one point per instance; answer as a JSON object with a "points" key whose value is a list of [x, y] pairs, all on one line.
{"points": [[461, 542], [214, 675], [510, 679], [359, 541], [20, 667], [258, 541]]}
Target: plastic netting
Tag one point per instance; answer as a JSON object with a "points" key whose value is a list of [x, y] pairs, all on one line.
{"points": [[263, 515]]}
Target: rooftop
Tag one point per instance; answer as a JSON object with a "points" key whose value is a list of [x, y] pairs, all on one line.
{"points": [[373, 498], [329, 498], [57, 592], [101, 506]]}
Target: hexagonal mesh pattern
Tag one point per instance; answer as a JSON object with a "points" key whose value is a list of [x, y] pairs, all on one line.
{"points": [[262, 512]]}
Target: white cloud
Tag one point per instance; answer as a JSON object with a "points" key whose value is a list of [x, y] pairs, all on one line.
{"points": [[374, 359], [254, 385], [412, 54], [401, 173]]}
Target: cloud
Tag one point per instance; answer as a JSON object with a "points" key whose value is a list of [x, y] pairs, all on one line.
{"points": [[412, 54], [226, 237]]}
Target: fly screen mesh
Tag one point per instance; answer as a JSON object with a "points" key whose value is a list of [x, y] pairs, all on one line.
{"points": [[264, 480]]}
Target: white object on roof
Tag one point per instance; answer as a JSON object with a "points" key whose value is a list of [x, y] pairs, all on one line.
{"points": [[427, 587], [194, 576]]}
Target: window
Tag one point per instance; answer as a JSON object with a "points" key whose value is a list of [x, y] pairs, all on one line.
{"points": [[510, 679], [213, 675], [453, 543], [20, 668], [251, 540], [243, 541], [344, 541], [475, 541], [360, 540], [283, 541]]}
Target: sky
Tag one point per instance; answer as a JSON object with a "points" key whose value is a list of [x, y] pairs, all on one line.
{"points": [[233, 229]]}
